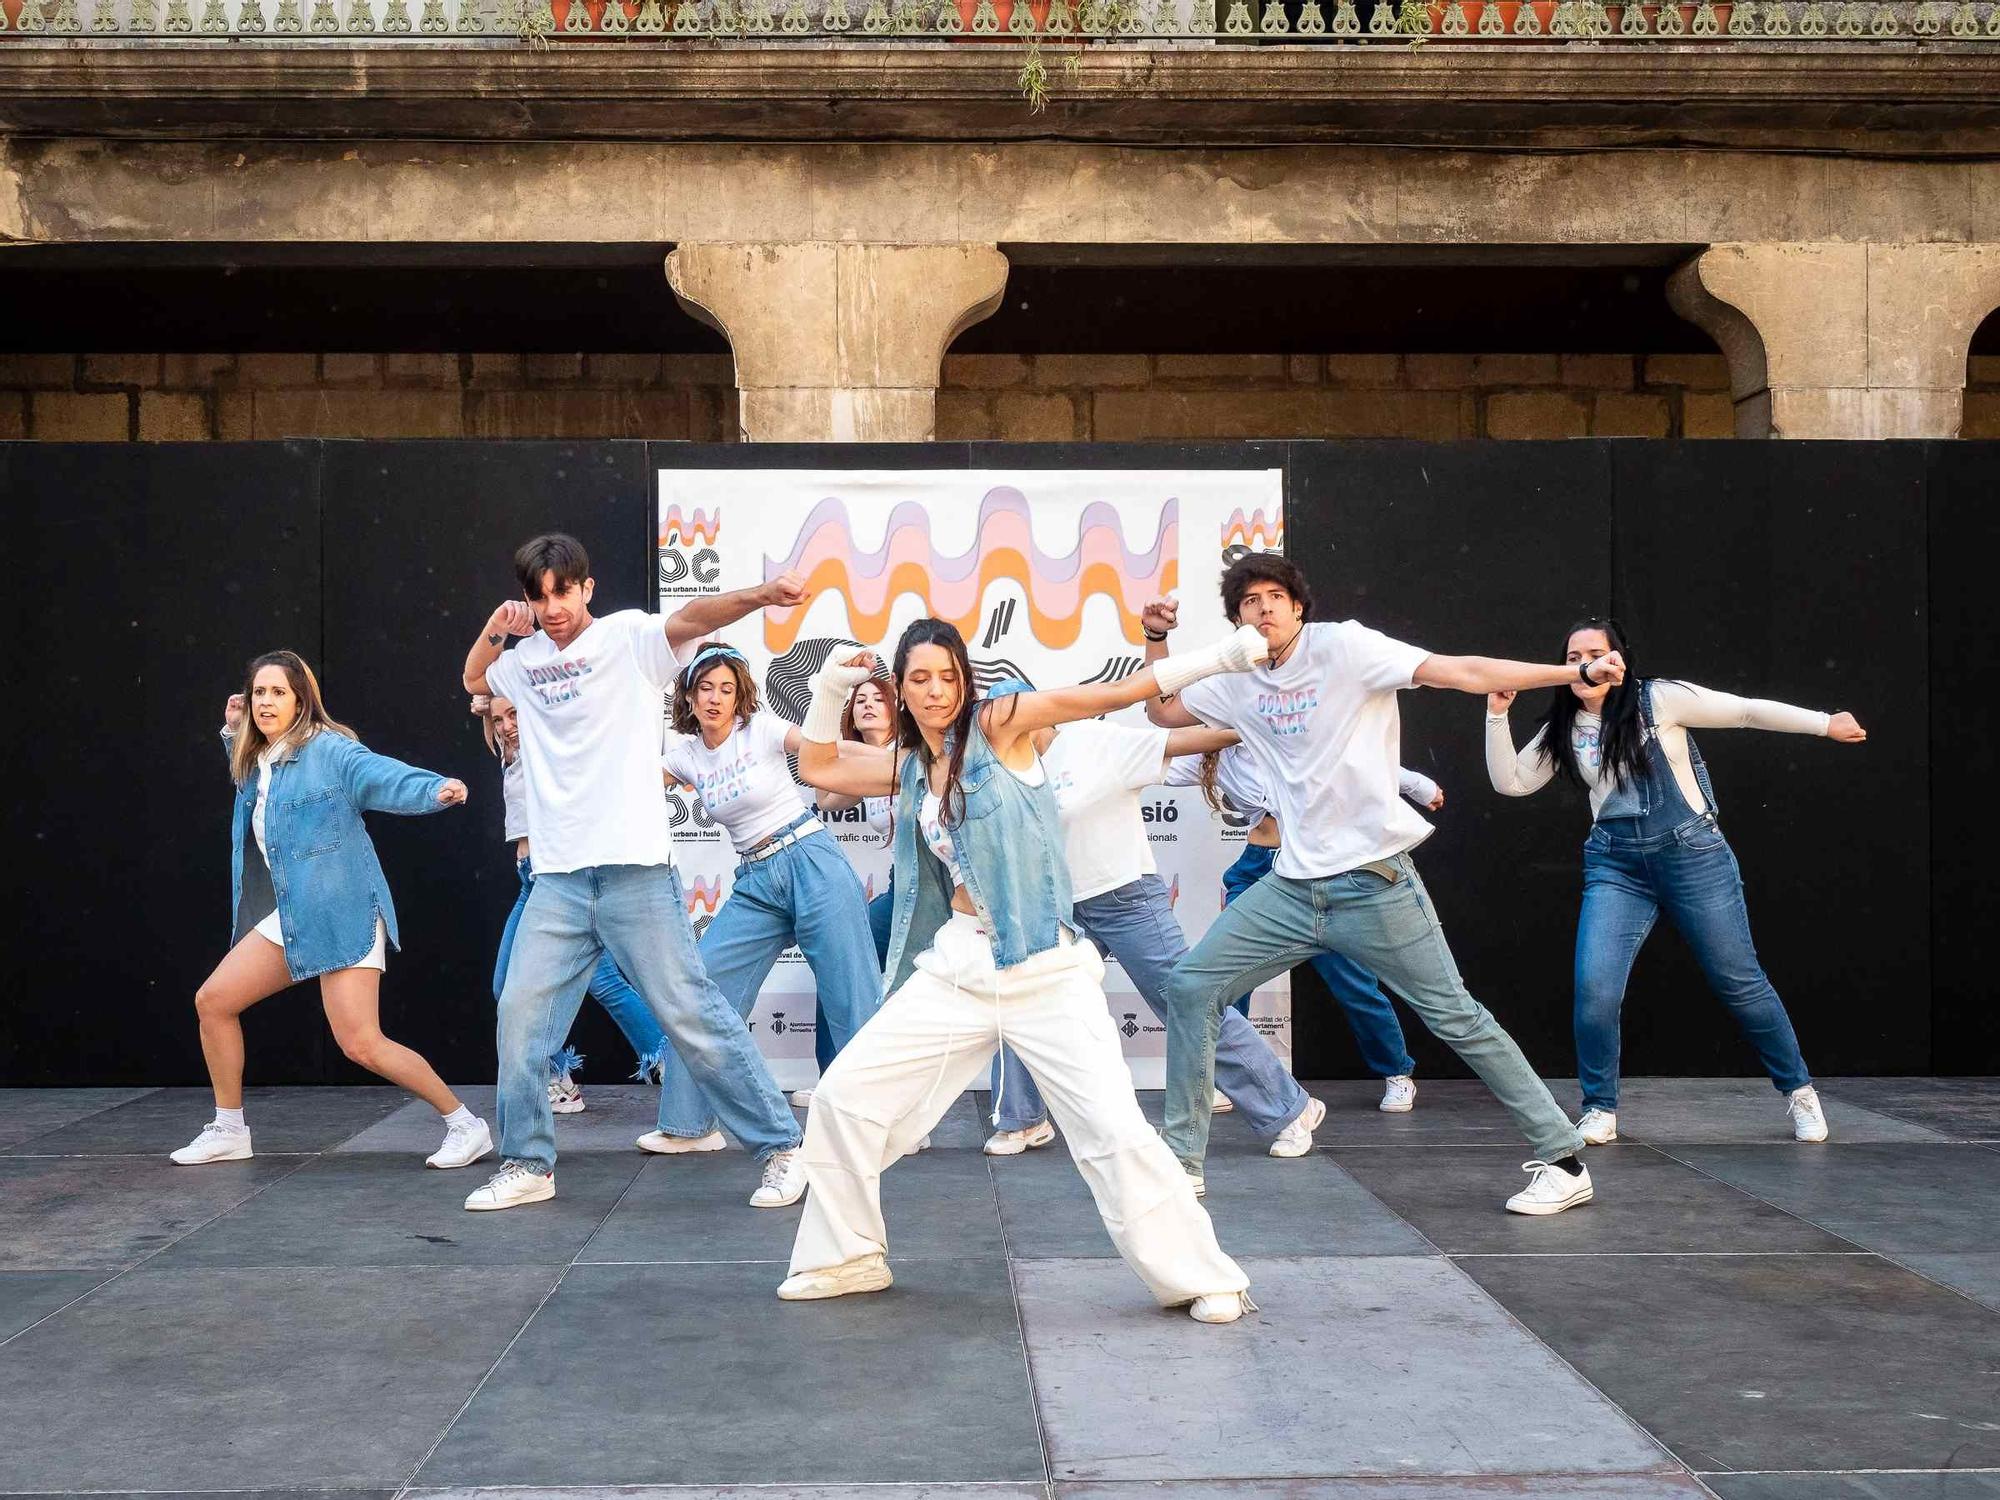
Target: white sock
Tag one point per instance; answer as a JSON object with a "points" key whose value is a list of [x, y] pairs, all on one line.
{"points": [[233, 1118], [459, 1116]]}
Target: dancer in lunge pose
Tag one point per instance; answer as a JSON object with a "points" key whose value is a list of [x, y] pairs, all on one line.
{"points": [[1321, 723], [793, 885], [1655, 846], [1230, 778], [984, 950], [588, 694], [308, 898], [1097, 770], [607, 987], [869, 719]]}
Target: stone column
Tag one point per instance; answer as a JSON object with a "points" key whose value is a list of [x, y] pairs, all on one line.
{"points": [[1842, 341], [838, 342]]}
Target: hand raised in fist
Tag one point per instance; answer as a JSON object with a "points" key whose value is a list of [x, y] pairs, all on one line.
{"points": [[1499, 703], [785, 591], [1160, 616], [1608, 668], [1844, 727], [232, 713], [515, 617]]}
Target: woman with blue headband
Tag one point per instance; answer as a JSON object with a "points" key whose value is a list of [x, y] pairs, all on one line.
{"points": [[793, 884]]}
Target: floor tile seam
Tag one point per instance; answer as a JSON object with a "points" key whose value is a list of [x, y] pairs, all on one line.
{"points": [[1436, 1248], [1008, 1261], [638, 1171], [12, 1155], [1663, 1254], [1895, 1258], [1677, 1463], [1814, 1473], [147, 1260], [1697, 1168], [774, 1260], [144, 1093], [464, 1406]]}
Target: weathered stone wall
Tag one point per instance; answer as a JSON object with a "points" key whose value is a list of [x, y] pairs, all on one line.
{"points": [[193, 397]]}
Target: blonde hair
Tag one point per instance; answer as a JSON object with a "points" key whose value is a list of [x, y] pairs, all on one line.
{"points": [[312, 716]]}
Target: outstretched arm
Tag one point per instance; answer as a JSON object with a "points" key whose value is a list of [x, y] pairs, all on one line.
{"points": [[700, 618], [1200, 741], [1694, 707], [1009, 719], [1492, 674]]}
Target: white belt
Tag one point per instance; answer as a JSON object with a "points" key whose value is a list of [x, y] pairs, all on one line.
{"points": [[781, 841]]}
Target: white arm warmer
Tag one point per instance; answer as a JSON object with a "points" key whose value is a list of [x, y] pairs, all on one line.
{"points": [[1238, 653], [832, 685]]}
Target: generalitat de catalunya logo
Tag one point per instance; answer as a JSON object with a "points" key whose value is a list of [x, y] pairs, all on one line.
{"points": [[953, 586]]}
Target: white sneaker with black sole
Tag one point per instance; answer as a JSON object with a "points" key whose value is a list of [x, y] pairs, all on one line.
{"points": [[1598, 1127], [1399, 1095], [1550, 1189], [661, 1144], [217, 1142], [1014, 1142], [463, 1145], [784, 1181], [1808, 1119], [1296, 1139], [510, 1187]]}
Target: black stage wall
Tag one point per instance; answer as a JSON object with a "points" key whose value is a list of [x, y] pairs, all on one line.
{"points": [[1835, 575]]}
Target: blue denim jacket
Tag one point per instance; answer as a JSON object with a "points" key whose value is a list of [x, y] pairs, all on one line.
{"points": [[323, 876], [1010, 849]]}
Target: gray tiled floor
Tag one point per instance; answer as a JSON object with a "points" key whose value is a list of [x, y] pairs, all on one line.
{"points": [[1735, 1316]]}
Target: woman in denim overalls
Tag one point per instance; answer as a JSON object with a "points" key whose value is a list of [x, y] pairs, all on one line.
{"points": [[1656, 846]]}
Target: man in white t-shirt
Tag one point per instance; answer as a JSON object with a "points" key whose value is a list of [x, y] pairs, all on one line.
{"points": [[589, 694], [1321, 721]]}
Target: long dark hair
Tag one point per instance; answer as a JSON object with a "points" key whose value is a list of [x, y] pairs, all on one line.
{"points": [[933, 632], [1622, 742]]}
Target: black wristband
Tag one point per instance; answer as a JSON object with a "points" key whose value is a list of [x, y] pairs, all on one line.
{"points": [[1157, 640], [1583, 671]]}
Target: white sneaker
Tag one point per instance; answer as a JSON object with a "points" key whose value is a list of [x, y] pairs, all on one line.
{"points": [[662, 1144], [1598, 1127], [510, 1187], [1808, 1119], [802, 1098], [867, 1273], [1014, 1142], [922, 1145], [463, 1145], [1296, 1139], [1200, 1186], [217, 1142], [565, 1095], [1550, 1189], [1221, 1104], [1399, 1095], [784, 1181], [1221, 1307]]}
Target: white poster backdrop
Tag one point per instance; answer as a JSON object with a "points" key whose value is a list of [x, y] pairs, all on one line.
{"points": [[1043, 571]]}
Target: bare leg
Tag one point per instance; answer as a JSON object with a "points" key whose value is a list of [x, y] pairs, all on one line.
{"points": [[352, 998], [251, 971]]}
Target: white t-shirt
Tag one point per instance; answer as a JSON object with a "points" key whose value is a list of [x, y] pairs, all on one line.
{"points": [[930, 823], [1097, 771], [257, 812], [745, 782], [1242, 787], [1324, 732], [514, 799], [880, 812], [590, 738]]}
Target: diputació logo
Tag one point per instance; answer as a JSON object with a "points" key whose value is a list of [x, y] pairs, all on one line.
{"points": [[689, 562]]}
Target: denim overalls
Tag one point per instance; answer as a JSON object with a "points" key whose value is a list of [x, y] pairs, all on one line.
{"points": [[1650, 852]]}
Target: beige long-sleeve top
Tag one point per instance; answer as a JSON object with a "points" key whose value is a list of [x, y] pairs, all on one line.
{"points": [[1677, 708]]}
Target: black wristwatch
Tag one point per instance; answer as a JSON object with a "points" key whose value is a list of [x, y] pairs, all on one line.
{"points": [[1583, 671]]}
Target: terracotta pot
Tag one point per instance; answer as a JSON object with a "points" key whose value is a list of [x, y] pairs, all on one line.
{"points": [[1545, 12]]}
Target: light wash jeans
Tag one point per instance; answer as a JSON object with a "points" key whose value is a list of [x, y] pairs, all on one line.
{"points": [[1384, 921], [806, 894], [607, 986], [1369, 1014], [881, 915], [637, 915], [1692, 875], [1135, 924]]}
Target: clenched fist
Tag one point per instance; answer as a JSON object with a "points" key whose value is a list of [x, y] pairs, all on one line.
{"points": [[1499, 703], [1160, 616], [515, 617], [451, 794], [232, 713], [1608, 668], [784, 591], [1844, 727]]}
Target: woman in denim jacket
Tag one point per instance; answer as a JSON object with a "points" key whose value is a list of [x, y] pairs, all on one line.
{"points": [[308, 898], [983, 952]]}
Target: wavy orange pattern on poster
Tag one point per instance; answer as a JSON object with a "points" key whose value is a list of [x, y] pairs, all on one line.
{"points": [[954, 586], [687, 530], [1256, 531]]}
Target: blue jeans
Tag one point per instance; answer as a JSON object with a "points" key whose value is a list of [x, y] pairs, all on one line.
{"points": [[1380, 916], [1691, 874], [1369, 1014], [806, 894], [1135, 924], [637, 915], [606, 986], [881, 914]]}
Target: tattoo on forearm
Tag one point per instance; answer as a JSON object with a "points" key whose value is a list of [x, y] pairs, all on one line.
{"points": [[495, 639]]}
